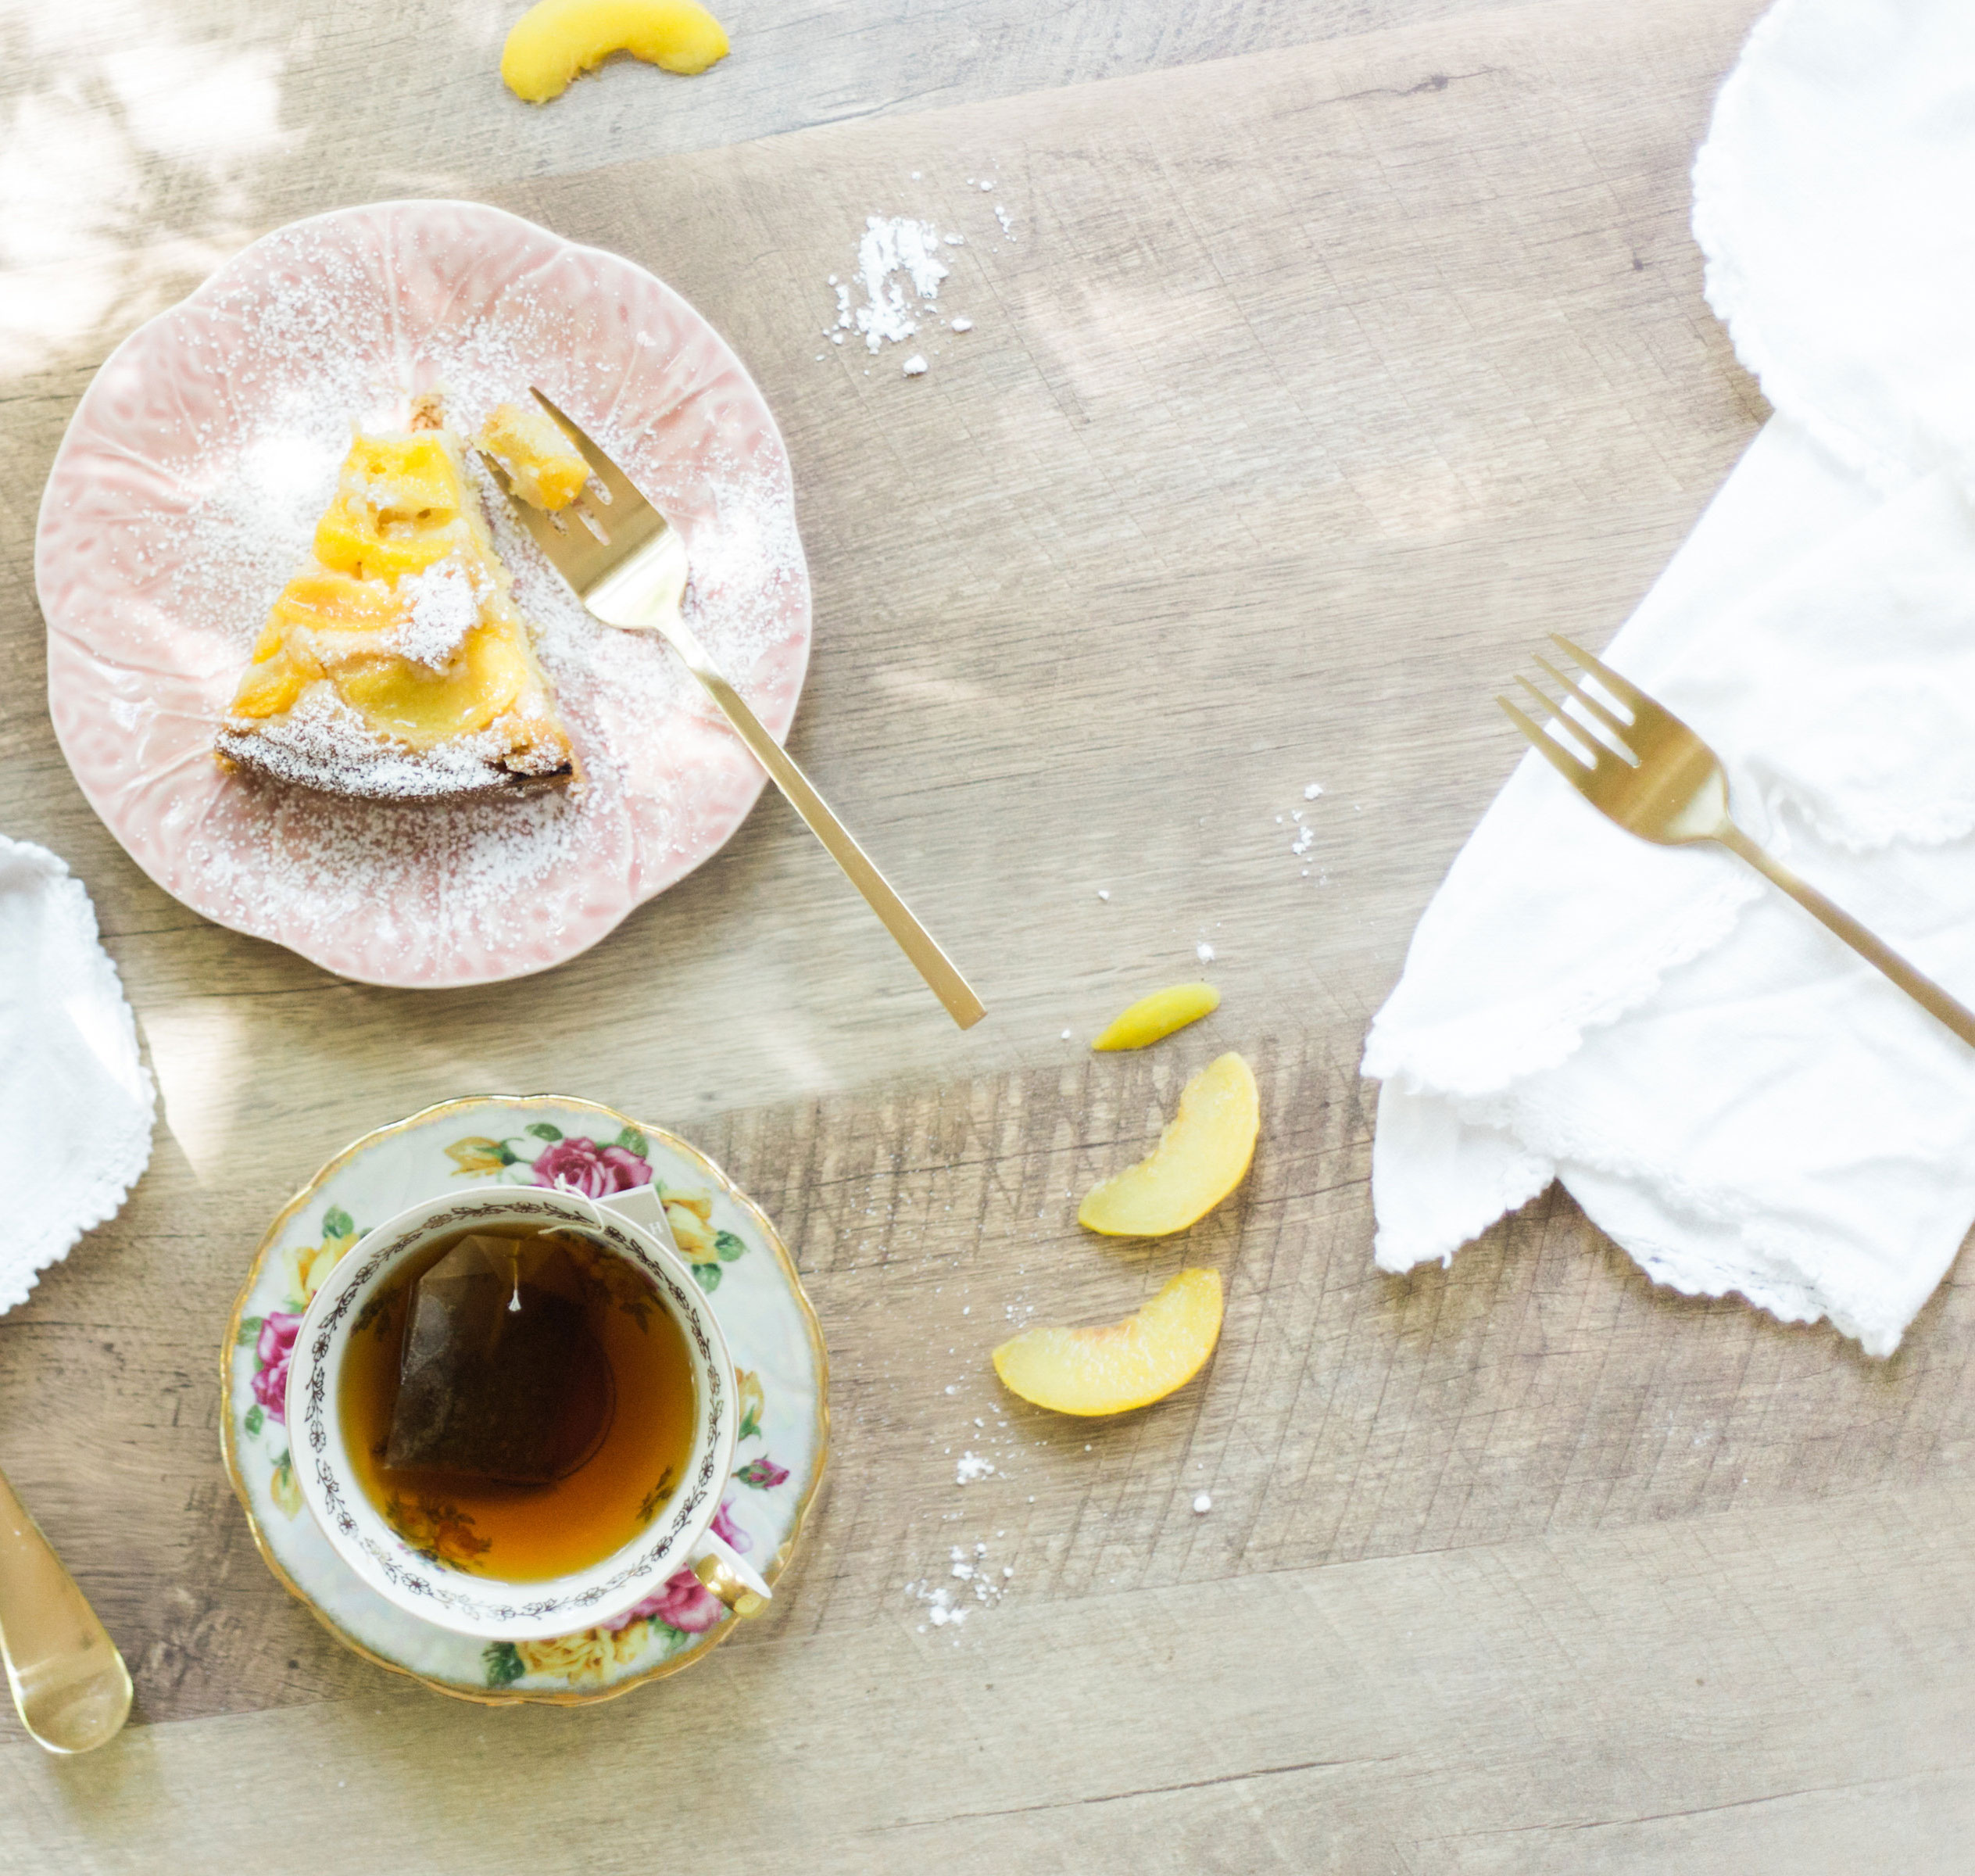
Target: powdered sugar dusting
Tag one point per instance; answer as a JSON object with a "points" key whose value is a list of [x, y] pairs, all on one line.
{"points": [[338, 322], [322, 743], [445, 606]]}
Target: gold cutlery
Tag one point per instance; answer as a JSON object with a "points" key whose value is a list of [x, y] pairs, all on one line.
{"points": [[69, 1681], [1647, 770], [627, 565]]}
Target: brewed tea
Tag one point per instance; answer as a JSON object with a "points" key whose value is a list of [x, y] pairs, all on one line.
{"points": [[518, 1404]]}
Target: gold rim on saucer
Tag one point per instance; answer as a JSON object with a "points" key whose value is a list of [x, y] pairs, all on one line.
{"points": [[771, 1570]]}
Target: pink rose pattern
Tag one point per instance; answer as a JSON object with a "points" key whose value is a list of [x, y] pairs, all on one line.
{"points": [[683, 1602], [574, 1164], [725, 1528], [274, 1352]]}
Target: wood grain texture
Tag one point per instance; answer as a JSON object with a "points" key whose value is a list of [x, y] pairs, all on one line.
{"points": [[142, 140], [1315, 385], [1775, 1691]]}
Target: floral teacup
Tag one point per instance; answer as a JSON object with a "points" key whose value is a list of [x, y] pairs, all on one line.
{"points": [[412, 1567]]}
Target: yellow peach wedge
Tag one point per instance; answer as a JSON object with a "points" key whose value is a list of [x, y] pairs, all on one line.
{"points": [[1119, 1365], [556, 40], [1158, 1016], [1202, 1156]]}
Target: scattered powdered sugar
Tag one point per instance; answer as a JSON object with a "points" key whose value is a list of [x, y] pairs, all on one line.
{"points": [[970, 1585], [1202, 1504], [1204, 951], [972, 1466], [445, 607], [900, 271], [1303, 833], [308, 342], [900, 268]]}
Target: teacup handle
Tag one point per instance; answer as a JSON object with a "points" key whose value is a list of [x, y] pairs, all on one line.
{"points": [[730, 1576]]}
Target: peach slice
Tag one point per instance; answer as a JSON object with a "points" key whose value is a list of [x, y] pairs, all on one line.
{"points": [[1120, 1366], [547, 469], [351, 545], [555, 40], [1159, 1015], [271, 685], [1202, 1156], [424, 708]]}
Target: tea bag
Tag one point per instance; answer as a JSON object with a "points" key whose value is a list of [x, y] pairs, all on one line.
{"points": [[500, 1377]]}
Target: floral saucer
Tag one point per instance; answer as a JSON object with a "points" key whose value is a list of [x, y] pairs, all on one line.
{"points": [[781, 1368]]}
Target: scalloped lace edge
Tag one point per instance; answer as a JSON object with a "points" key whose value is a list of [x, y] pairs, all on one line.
{"points": [[122, 1160], [1724, 284], [1397, 1251], [1787, 1291], [98, 1203], [1409, 1059], [1782, 1285]]}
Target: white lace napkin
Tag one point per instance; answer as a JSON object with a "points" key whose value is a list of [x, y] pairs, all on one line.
{"points": [[74, 1098], [1730, 1093]]}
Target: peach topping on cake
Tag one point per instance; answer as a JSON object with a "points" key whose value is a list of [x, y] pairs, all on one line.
{"points": [[547, 469], [395, 665]]}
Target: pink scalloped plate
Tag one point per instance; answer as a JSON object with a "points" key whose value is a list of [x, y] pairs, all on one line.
{"points": [[187, 491]]}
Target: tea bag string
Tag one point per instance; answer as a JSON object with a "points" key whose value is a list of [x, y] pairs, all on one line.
{"points": [[514, 1271]]}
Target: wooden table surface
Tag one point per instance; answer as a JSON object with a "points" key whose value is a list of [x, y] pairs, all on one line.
{"points": [[1340, 350]]}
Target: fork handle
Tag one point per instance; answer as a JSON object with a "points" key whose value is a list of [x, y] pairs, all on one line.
{"points": [[1924, 991], [917, 944]]}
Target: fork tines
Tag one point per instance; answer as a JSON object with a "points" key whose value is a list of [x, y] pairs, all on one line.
{"points": [[1572, 736], [583, 509]]}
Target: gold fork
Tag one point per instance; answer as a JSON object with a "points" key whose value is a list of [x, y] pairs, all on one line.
{"points": [[627, 565], [1653, 775]]}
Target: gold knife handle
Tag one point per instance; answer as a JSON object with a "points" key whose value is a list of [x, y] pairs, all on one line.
{"points": [[1924, 991], [933, 965], [67, 1679]]}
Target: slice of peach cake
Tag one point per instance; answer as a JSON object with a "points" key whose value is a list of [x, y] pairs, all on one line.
{"points": [[396, 665]]}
